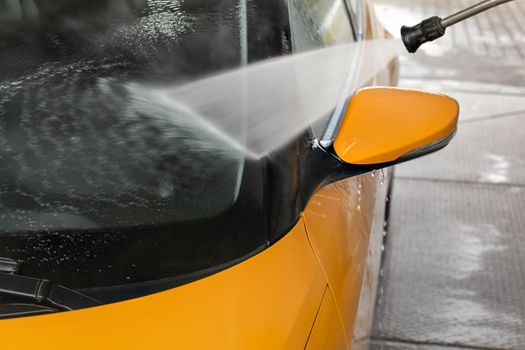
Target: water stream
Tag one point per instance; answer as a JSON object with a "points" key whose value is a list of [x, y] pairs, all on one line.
{"points": [[259, 107], [82, 141]]}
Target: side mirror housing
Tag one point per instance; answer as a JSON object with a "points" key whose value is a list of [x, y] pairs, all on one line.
{"points": [[391, 125]]}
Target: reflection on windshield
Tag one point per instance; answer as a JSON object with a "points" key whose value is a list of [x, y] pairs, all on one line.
{"points": [[80, 145]]}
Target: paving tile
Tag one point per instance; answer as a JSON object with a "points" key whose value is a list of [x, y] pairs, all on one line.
{"points": [[455, 254], [402, 345], [453, 271], [462, 71], [489, 150], [482, 105]]}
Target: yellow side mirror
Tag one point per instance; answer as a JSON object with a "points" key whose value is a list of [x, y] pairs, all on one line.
{"points": [[391, 125]]}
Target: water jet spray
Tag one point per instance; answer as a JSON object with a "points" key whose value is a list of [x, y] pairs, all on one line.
{"points": [[434, 27]]}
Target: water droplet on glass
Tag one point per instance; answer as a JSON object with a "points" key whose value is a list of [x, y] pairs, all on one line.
{"points": [[382, 247], [75, 139], [358, 207], [384, 233], [382, 177], [373, 173]]}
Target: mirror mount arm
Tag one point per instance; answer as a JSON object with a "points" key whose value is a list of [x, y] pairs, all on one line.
{"points": [[325, 167]]}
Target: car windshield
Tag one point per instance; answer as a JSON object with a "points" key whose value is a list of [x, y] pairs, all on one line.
{"points": [[84, 144], [104, 187]]}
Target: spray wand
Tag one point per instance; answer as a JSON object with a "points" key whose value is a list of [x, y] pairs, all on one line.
{"points": [[434, 27]]}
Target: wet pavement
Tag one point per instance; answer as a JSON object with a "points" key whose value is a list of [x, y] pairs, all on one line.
{"points": [[453, 273]]}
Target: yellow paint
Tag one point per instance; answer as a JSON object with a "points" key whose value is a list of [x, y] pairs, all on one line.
{"points": [[327, 333], [269, 301], [338, 220], [266, 302], [383, 124]]}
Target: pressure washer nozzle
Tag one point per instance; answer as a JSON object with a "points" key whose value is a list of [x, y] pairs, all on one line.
{"points": [[428, 30], [434, 27]]}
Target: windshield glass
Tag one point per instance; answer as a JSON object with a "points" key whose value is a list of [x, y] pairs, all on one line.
{"points": [[84, 144], [105, 187]]}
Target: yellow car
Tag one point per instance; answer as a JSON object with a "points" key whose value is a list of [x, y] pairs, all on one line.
{"points": [[117, 232]]}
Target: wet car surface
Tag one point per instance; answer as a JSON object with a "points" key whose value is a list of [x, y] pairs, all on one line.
{"points": [[163, 227]]}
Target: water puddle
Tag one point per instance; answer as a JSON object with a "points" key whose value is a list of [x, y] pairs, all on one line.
{"points": [[498, 172]]}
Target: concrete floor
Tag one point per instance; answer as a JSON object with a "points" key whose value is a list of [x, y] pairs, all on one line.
{"points": [[454, 267]]}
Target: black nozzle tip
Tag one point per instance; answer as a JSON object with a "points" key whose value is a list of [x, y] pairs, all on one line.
{"points": [[428, 30]]}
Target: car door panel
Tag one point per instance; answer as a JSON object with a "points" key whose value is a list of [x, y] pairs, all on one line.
{"points": [[338, 221], [327, 332]]}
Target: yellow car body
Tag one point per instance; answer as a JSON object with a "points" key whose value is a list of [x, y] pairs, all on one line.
{"points": [[313, 288]]}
